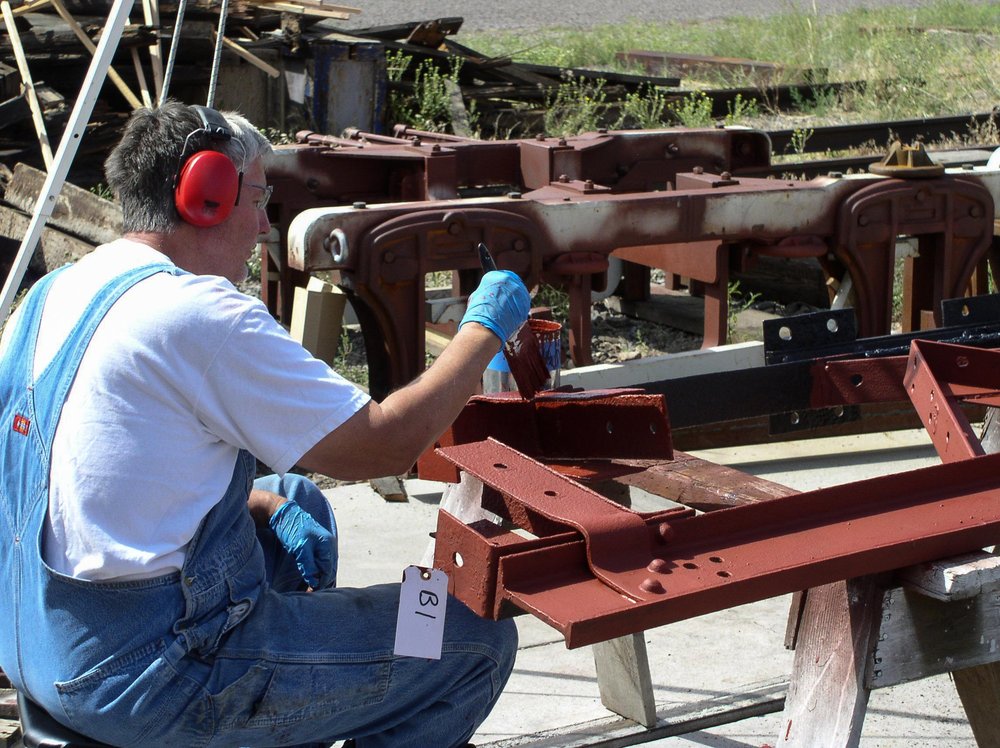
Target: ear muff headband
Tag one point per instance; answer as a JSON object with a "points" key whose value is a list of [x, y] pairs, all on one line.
{"points": [[207, 186]]}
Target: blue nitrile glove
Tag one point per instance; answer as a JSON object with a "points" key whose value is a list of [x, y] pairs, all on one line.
{"points": [[307, 541], [501, 304]]}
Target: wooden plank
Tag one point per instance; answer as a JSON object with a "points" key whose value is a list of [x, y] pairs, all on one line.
{"points": [[979, 690], [827, 696], [77, 211], [253, 59], [10, 733], [700, 484], [389, 488], [456, 107], [623, 678], [151, 15], [921, 636], [29, 86], [957, 578], [57, 248], [120, 84]]}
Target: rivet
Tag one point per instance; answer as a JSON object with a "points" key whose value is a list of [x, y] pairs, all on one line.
{"points": [[698, 170], [563, 178], [388, 257], [863, 220], [651, 585], [666, 531], [520, 245], [726, 175], [658, 565], [454, 228]]}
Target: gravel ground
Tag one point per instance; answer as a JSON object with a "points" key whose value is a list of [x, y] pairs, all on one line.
{"points": [[484, 15]]}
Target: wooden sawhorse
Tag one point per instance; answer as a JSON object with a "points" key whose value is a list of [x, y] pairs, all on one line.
{"points": [[873, 632]]}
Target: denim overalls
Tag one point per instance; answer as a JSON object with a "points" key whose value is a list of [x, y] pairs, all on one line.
{"points": [[225, 652]]}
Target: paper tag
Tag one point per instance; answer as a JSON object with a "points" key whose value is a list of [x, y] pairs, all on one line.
{"points": [[420, 622]]}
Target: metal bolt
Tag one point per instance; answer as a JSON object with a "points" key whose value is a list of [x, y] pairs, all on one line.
{"points": [[836, 174], [673, 148], [435, 148], [968, 167], [561, 141], [360, 205], [415, 140], [698, 170], [540, 136], [726, 175], [454, 228], [588, 184], [602, 130], [514, 195], [563, 178]]}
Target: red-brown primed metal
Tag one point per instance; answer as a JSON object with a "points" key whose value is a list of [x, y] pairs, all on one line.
{"points": [[559, 425], [556, 232], [718, 560], [938, 375]]}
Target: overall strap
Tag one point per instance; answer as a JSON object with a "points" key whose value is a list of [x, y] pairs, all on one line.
{"points": [[65, 363]]}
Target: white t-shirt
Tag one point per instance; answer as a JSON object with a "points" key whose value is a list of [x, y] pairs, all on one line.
{"points": [[182, 373]]}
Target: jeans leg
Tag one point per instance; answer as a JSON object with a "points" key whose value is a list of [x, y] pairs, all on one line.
{"points": [[319, 667], [282, 573]]}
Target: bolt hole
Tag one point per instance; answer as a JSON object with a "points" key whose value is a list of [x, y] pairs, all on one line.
{"points": [[690, 565], [549, 493], [785, 333], [838, 412], [962, 362], [794, 418], [457, 558], [499, 466], [857, 380], [724, 574], [965, 310], [715, 559], [832, 326]]}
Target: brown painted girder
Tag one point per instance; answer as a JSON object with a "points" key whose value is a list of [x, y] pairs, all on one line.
{"points": [[708, 562]]}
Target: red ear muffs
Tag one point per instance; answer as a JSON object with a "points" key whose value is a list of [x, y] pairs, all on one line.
{"points": [[207, 188]]}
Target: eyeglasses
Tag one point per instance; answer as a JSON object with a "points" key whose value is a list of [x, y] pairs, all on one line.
{"points": [[267, 190]]}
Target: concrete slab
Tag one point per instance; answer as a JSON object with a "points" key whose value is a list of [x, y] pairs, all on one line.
{"points": [[730, 663]]}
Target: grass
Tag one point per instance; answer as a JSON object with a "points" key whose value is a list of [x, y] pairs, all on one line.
{"points": [[943, 58]]}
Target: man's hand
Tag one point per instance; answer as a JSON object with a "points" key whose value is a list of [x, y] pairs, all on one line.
{"points": [[501, 304], [307, 541]]}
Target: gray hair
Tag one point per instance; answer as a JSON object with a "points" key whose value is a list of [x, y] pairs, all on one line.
{"points": [[142, 168]]}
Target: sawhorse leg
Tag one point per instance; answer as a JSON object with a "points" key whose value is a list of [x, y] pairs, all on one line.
{"points": [[827, 696]]}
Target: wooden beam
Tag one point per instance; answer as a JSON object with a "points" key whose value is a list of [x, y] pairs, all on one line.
{"points": [[248, 56], [29, 86], [151, 15], [120, 84]]}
